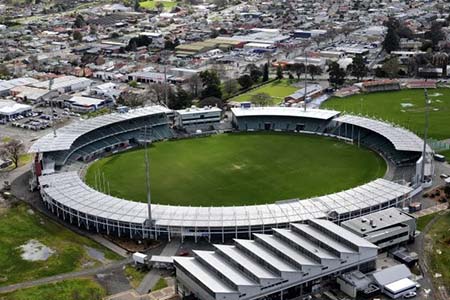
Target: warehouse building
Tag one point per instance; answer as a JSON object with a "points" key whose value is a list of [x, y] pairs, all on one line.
{"points": [[386, 228], [9, 110], [284, 265], [66, 84]]}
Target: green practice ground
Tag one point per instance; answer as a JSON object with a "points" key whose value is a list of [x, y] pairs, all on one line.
{"points": [[239, 169], [65, 290], [150, 4], [404, 107], [18, 225], [277, 89]]}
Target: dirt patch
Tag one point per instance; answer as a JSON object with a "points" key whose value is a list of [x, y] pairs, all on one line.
{"points": [[34, 250]]}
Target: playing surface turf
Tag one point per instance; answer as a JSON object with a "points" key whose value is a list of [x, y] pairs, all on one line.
{"points": [[278, 90], [404, 107], [238, 169]]}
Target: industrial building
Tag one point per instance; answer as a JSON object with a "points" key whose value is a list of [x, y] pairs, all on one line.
{"points": [[386, 228], [9, 110], [284, 265]]}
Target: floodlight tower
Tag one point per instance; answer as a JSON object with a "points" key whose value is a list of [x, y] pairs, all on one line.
{"points": [[425, 135], [147, 177], [306, 78], [50, 84]]}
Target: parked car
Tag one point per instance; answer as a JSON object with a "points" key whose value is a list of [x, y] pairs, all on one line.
{"points": [[409, 295]]}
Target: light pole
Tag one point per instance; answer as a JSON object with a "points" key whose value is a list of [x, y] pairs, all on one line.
{"points": [[306, 78], [50, 84], [425, 135], [147, 181]]}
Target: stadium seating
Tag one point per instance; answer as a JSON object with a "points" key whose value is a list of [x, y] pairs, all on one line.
{"points": [[113, 138], [376, 142]]}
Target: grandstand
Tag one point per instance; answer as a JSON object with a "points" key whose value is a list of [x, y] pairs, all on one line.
{"points": [[66, 195], [89, 139], [282, 119]]}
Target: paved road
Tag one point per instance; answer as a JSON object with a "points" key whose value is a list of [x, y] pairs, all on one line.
{"points": [[152, 277], [89, 272]]}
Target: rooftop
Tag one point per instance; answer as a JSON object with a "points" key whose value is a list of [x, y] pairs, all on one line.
{"points": [[285, 112]]}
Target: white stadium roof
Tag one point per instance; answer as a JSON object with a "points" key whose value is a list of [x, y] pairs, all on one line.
{"points": [[68, 134], [68, 189], [402, 139], [278, 111]]}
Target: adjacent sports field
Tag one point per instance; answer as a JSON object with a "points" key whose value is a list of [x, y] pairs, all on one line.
{"points": [[151, 4], [238, 169], [405, 107], [70, 252], [278, 90]]}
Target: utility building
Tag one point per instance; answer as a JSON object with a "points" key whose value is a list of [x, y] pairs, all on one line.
{"points": [[385, 228], [282, 265]]}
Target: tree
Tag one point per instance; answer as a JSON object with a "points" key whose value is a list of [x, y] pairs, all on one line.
{"points": [[195, 84], [180, 99], [245, 81], [336, 75], [314, 70], [358, 68], [136, 5], [261, 99], [12, 151], [255, 74], [92, 29], [159, 6], [4, 71], [391, 67], [77, 36], [159, 91], [391, 41], [265, 72], [230, 86], [137, 42], [279, 72], [133, 99], [133, 83], [435, 34], [211, 101], [211, 84], [299, 69], [79, 22]]}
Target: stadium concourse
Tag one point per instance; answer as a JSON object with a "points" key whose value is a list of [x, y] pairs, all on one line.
{"points": [[59, 157]]}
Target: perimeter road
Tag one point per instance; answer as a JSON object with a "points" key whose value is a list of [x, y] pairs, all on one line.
{"points": [[72, 275]]}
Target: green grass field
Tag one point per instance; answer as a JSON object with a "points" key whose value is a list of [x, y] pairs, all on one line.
{"points": [[239, 169], [440, 249], [134, 276], [65, 290], [404, 107], [18, 225], [151, 4], [424, 220], [160, 284], [446, 153], [277, 89]]}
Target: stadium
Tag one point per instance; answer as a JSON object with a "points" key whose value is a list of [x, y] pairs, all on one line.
{"points": [[61, 159]]}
